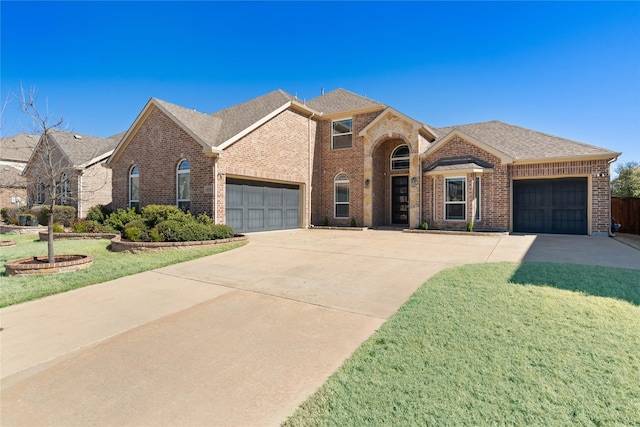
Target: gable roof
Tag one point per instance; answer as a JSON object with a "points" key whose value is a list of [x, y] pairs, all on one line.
{"points": [[18, 148], [218, 130], [522, 144], [81, 149], [341, 101]]}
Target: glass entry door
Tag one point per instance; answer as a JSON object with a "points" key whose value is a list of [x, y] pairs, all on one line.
{"points": [[400, 200]]}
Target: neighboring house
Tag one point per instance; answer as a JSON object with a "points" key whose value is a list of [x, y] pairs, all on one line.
{"points": [[73, 163], [14, 154], [276, 162]]}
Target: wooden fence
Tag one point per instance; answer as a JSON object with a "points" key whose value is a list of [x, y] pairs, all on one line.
{"points": [[626, 211]]}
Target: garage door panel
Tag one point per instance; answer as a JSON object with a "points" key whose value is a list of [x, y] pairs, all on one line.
{"points": [[262, 206], [550, 206]]}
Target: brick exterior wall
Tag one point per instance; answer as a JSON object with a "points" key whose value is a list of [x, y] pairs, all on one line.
{"points": [[330, 163], [281, 150], [157, 148], [495, 190], [94, 188]]}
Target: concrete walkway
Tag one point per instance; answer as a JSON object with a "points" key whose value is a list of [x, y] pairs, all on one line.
{"points": [[235, 339]]}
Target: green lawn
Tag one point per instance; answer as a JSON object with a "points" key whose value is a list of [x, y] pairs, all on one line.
{"points": [[106, 265], [497, 344]]}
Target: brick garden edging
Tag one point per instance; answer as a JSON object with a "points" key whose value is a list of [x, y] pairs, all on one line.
{"points": [[35, 266], [119, 245]]}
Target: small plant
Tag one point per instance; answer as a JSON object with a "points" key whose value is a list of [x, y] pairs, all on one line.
{"points": [[325, 222], [425, 225], [353, 221], [58, 228], [470, 226]]}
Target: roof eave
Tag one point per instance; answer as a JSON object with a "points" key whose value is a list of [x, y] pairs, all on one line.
{"points": [[584, 157], [349, 113], [504, 158], [94, 160]]}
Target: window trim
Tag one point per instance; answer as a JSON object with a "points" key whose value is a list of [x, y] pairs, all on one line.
{"points": [[350, 119], [341, 178], [183, 172], [464, 194], [406, 158], [131, 176]]}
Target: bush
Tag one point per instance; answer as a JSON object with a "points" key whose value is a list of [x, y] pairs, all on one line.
{"points": [[61, 214], [155, 214], [425, 225], [221, 231], [58, 228], [4, 212], [155, 235], [169, 230], [86, 226], [133, 233], [119, 219], [98, 213], [204, 219]]}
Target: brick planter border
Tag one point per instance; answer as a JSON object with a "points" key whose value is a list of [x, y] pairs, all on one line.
{"points": [[118, 245], [23, 267]]}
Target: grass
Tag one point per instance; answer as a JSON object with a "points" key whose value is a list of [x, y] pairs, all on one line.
{"points": [[497, 344], [106, 265]]}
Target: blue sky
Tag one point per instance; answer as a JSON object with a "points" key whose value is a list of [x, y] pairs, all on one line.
{"points": [[571, 69]]}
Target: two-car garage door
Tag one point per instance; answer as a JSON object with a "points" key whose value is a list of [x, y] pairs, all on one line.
{"points": [[556, 206], [261, 206]]}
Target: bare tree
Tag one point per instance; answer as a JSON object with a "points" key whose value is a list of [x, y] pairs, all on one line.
{"points": [[47, 163]]}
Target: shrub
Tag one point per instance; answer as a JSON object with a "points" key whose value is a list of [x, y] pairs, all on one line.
{"points": [[470, 226], [61, 214], [86, 226], [169, 230], [221, 231], [4, 212], [10, 214], [204, 219], [133, 233], [98, 213], [353, 221], [155, 214], [325, 222], [425, 225], [58, 228], [155, 235], [117, 220]]}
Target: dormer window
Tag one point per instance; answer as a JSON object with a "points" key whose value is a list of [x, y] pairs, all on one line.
{"points": [[341, 134], [400, 158]]}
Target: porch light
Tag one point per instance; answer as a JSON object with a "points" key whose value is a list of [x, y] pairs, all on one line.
{"points": [[414, 181], [367, 182]]}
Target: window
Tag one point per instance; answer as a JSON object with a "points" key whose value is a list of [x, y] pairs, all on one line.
{"points": [[183, 181], [39, 193], [341, 195], [478, 199], [134, 188], [64, 188], [341, 132], [455, 203], [400, 158]]}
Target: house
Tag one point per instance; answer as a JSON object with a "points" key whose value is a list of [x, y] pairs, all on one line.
{"points": [[14, 154], [277, 162], [68, 166]]}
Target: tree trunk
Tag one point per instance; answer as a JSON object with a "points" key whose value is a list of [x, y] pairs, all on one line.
{"points": [[50, 254]]}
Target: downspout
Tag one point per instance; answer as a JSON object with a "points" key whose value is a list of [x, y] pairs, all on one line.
{"points": [[215, 190], [611, 234], [79, 193], [310, 173]]}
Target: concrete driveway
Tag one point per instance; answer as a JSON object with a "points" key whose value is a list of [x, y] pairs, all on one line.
{"points": [[235, 339]]}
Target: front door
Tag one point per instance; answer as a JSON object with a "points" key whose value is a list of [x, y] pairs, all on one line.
{"points": [[400, 200]]}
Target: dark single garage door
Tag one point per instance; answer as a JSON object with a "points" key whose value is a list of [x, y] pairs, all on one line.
{"points": [[556, 206], [261, 206]]}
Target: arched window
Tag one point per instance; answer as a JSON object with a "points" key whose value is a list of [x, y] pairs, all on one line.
{"points": [[183, 182], [134, 188], [400, 158], [64, 188], [341, 195]]}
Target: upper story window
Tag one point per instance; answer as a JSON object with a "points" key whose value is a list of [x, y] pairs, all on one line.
{"points": [[455, 201], [400, 158], [134, 188], [341, 134], [183, 182], [341, 196]]}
